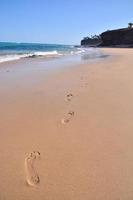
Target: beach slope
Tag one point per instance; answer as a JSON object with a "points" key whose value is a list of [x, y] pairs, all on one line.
{"points": [[78, 120]]}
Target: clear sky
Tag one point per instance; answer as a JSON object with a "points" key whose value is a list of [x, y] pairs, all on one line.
{"points": [[61, 21]]}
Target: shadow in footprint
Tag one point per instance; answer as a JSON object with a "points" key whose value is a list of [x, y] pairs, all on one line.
{"points": [[68, 117], [32, 177], [69, 97]]}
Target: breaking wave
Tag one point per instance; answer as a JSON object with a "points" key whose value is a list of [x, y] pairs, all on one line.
{"points": [[12, 57], [16, 51]]}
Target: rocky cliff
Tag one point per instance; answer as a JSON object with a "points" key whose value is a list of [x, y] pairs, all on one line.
{"points": [[117, 37]]}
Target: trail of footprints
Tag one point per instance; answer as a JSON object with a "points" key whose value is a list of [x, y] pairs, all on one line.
{"points": [[70, 114], [69, 98], [32, 177]]}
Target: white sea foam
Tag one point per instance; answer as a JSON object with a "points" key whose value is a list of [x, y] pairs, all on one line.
{"points": [[12, 57], [6, 58], [46, 53], [80, 51], [84, 52]]}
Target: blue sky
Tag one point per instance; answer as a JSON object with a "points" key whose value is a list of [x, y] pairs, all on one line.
{"points": [[61, 21]]}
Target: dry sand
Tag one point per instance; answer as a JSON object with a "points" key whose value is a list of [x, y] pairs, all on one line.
{"points": [[80, 119]]}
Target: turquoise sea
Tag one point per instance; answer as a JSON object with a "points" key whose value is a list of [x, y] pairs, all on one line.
{"points": [[15, 51]]}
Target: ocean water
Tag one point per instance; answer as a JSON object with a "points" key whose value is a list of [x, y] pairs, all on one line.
{"points": [[16, 51]]}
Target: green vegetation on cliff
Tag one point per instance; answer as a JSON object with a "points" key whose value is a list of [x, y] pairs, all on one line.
{"points": [[119, 37]]}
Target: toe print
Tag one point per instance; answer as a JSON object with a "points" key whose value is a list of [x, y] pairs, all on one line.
{"points": [[32, 177]]}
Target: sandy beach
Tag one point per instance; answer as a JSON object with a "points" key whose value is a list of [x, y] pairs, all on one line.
{"points": [[80, 119]]}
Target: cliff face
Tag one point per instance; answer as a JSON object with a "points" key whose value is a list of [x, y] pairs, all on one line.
{"points": [[117, 37]]}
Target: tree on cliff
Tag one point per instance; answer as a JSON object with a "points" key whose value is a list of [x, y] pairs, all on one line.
{"points": [[130, 25]]}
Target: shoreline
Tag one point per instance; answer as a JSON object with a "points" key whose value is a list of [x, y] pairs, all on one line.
{"points": [[89, 155], [76, 55]]}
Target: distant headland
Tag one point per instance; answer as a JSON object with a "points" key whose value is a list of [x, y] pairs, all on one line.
{"points": [[111, 38]]}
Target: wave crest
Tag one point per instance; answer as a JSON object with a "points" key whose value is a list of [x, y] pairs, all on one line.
{"points": [[6, 58]]}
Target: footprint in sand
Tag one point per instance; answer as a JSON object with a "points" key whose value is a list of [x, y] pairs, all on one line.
{"points": [[68, 117], [69, 97], [32, 177]]}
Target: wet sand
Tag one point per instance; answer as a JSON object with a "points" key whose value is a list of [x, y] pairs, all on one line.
{"points": [[79, 118]]}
